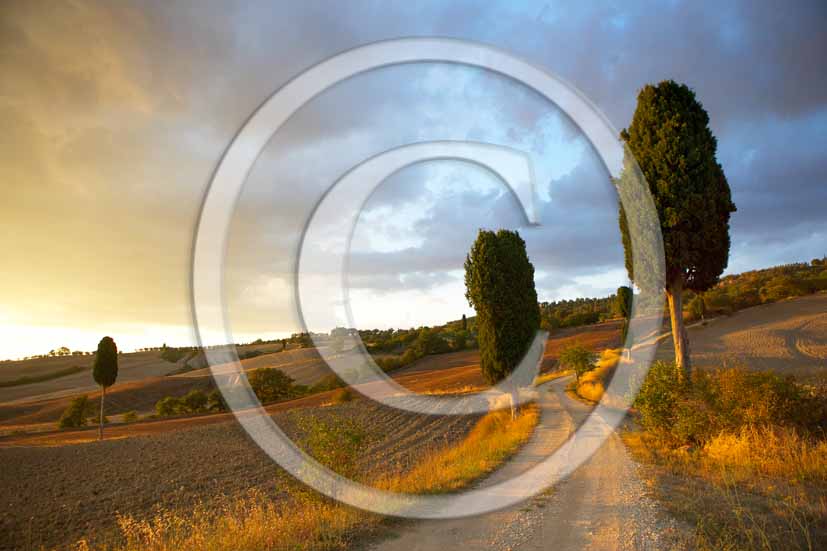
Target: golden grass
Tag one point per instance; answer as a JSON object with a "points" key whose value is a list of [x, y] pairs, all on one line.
{"points": [[457, 391], [762, 488], [546, 377], [770, 451], [592, 385], [311, 522], [495, 437]]}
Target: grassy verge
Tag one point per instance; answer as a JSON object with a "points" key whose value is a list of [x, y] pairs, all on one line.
{"points": [[29, 379], [759, 489], [546, 377], [592, 384], [308, 521], [739, 455]]}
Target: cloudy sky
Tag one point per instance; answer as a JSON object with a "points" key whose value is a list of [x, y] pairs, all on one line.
{"points": [[115, 114]]}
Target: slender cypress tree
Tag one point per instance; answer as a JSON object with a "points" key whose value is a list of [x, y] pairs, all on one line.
{"points": [[105, 371], [670, 138], [499, 282]]}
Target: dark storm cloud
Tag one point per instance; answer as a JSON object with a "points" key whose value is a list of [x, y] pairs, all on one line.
{"points": [[126, 107]]}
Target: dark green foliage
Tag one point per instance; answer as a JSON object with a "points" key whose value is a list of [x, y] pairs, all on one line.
{"points": [[578, 358], [173, 355], [460, 341], [329, 382], [623, 301], [697, 307], [671, 141], [76, 413], [739, 291], [695, 411], [499, 282], [464, 323], [247, 354], [130, 416], [169, 405], [215, 401], [194, 401], [576, 312], [271, 385], [675, 149], [105, 368]]}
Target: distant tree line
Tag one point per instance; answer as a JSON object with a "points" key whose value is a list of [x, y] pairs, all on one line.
{"points": [[738, 291]]}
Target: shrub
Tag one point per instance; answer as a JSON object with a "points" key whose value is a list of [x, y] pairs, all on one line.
{"points": [[271, 385], [169, 405], [76, 413], [697, 308], [389, 363], [194, 401], [130, 416], [215, 401], [329, 382], [341, 396], [724, 401]]}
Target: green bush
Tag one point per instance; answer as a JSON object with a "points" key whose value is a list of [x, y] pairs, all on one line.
{"points": [[726, 400], [271, 385], [215, 401], [194, 401], [329, 382], [130, 416], [169, 405], [76, 413]]}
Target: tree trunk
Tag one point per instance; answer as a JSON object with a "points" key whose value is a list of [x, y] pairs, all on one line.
{"points": [[515, 408], [675, 300], [100, 425]]}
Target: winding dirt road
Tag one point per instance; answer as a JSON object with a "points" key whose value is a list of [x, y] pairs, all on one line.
{"points": [[602, 505]]}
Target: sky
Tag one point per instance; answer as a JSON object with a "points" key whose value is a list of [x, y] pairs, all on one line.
{"points": [[115, 115]]}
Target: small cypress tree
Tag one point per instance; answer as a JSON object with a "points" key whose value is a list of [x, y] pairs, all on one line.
{"points": [[670, 138], [623, 301], [623, 305], [105, 371], [499, 282]]}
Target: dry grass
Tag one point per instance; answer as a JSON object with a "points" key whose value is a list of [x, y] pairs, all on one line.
{"points": [[774, 452], [592, 385], [467, 389], [493, 439], [311, 522], [758, 489], [546, 377]]}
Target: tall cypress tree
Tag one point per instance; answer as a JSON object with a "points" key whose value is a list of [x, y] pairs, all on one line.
{"points": [[670, 138], [105, 371], [499, 282]]}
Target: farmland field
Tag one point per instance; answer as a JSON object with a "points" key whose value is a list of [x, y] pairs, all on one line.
{"points": [[788, 337]]}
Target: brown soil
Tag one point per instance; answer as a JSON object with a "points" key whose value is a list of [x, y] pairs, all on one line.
{"points": [[55, 495], [789, 337]]}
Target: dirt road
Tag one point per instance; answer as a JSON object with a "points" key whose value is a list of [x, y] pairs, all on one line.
{"points": [[603, 505]]}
